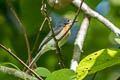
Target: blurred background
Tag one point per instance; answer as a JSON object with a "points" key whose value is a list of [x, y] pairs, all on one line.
{"points": [[98, 36]]}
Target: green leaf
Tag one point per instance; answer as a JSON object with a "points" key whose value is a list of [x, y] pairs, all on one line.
{"points": [[42, 71], [63, 74], [97, 61], [117, 40], [112, 73], [13, 65]]}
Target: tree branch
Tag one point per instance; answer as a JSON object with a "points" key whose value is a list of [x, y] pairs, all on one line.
{"points": [[38, 35], [79, 43], [22, 28], [76, 15], [12, 54], [16, 73], [44, 12], [58, 51], [41, 27], [87, 10]]}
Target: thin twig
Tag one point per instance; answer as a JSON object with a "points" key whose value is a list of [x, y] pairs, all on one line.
{"points": [[22, 28], [87, 10], [38, 35], [16, 73], [12, 54], [45, 19], [78, 45], [77, 13], [41, 27], [58, 51]]}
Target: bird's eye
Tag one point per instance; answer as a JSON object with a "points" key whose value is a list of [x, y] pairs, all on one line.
{"points": [[68, 20]]}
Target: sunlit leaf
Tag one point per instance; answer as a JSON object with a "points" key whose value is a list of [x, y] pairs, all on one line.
{"points": [[98, 61]]}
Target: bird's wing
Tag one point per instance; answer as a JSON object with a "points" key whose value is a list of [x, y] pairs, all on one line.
{"points": [[49, 36]]}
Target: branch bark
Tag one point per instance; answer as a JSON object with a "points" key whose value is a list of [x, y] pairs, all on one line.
{"points": [[79, 43], [87, 10], [58, 51], [16, 73], [17, 58], [22, 28]]}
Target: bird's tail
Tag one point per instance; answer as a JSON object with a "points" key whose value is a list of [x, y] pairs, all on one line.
{"points": [[41, 51], [35, 59]]}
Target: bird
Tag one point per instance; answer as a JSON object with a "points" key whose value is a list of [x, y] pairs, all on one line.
{"points": [[48, 42]]}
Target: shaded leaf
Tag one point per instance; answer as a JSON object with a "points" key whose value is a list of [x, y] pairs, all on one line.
{"points": [[42, 71], [8, 63], [63, 74], [112, 73]]}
